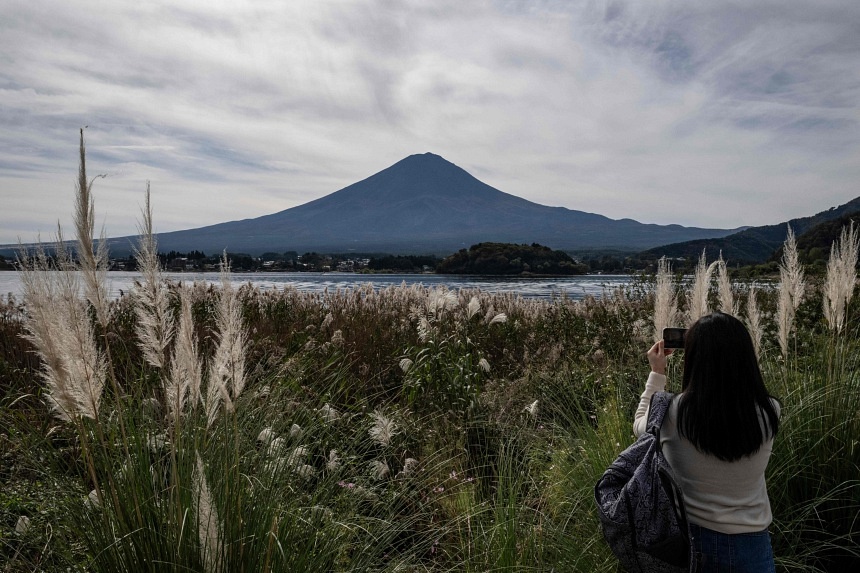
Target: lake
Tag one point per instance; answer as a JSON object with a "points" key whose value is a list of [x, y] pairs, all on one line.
{"points": [[575, 287]]}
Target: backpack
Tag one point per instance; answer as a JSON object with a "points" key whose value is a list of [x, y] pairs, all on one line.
{"points": [[641, 507]]}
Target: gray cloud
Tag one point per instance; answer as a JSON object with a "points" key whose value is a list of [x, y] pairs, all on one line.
{"points": [[708, 114]]}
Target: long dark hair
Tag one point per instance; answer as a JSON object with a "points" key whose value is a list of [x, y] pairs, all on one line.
{"points": [[726, 410]]}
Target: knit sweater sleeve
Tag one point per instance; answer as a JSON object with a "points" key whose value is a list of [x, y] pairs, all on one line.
{"points": [[656, 383]]}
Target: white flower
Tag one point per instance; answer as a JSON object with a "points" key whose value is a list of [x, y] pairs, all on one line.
{"points": [[23, 525], [93, 501], [305, 471], [383, 428], [499, 318], [440, 300], [405, 364], [333, 463], [379, 469], [276, 446], [423, 329], [327, 321], [473, 308], [409, 466], [295, 432], [297, 457], [329, 414], [266, 436]]}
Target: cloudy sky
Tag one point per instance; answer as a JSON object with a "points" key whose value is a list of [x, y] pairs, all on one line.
{"points": [[711, 114]]}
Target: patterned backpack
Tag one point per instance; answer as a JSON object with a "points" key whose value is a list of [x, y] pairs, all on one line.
{"points": [[641, 507]]}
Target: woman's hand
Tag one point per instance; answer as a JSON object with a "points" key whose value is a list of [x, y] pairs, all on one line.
{"points": [[658, 357]]}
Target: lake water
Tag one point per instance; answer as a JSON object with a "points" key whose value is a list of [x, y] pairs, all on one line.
{"points": [[576, 287]]}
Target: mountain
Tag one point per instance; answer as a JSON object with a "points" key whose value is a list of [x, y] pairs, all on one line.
{"points": [[424, 204], [753, 245], [421, 204]]}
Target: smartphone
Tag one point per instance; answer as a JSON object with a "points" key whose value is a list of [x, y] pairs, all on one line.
{"points": [[674, 337]]}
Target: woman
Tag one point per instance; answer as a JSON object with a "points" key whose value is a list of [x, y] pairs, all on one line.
{"points": [[717, 437]]}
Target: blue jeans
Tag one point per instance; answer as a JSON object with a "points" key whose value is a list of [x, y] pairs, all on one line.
{"points": [[739, 553]]}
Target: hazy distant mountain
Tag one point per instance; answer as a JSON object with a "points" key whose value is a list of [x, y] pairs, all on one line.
{"points": [[421, 204], [755, 244]]}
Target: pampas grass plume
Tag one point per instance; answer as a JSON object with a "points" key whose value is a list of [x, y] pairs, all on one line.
{"points": [[754, 324], [155, 325], [228, 365], [701, 288], [791, 290], [185, 372], [473, 308], [841, 277], [724, 288], [227, 369], [499, 318], [379, 470], [383, 429], [405, 364], [74, 369], [93, 264], [665, 299]]}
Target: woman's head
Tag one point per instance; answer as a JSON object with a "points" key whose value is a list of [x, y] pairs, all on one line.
{"points": [[718, 346], [724, 390]]}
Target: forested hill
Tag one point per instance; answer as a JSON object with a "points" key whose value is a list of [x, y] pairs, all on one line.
{"points": [[753, 245], [813, 246], [510, 259]]}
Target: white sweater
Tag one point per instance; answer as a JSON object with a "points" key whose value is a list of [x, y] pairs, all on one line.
{"points": [[729, 497]]}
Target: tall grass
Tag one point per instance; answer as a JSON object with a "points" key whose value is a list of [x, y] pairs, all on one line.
{"points": [[841, 277], [699, 304], [792, 289], [402, 429]]}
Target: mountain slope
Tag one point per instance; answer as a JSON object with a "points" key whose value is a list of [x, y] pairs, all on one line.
{"points": [[813, 246], [752, 245], [422, 204]]}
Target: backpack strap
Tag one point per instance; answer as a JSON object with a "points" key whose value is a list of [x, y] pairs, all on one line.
{"points": [[660, 402]]}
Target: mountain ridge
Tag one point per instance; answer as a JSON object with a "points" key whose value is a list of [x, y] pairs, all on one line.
{"points": [[753, 245]]}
